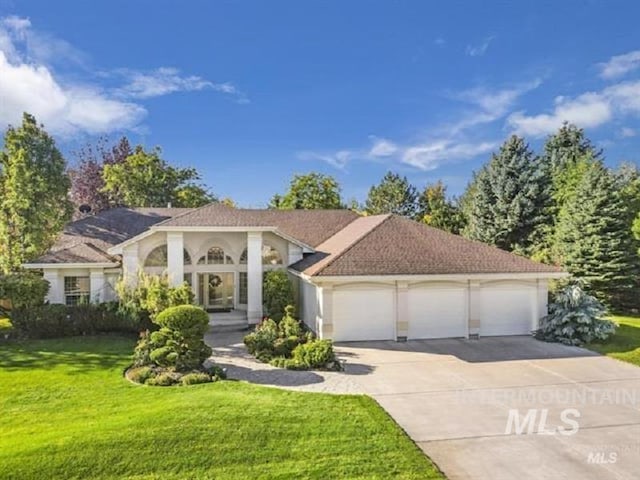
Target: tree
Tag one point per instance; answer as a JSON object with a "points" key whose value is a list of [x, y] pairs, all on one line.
{"points": [[595, 242], [309, 192], [436, 210], [394, 194], [34, 204], [144, 179], [509, 203], [87, 181]]}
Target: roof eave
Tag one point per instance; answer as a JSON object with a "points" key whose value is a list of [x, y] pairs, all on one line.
{"points": [[319, 278]]}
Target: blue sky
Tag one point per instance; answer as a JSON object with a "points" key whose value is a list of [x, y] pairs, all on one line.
{"points": [[250, 92]]}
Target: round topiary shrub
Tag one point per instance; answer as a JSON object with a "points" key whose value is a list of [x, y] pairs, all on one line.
{"points": [[179, 344]]}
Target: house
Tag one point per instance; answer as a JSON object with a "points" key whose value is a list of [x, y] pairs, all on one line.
{"points": [[381, 277]]}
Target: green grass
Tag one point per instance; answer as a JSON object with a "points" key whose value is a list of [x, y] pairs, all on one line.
{"points": [[625, 343], [67, 412]]}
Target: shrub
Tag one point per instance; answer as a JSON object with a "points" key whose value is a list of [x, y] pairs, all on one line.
{"points": [[277, 293], [216, 372], [179, 344], [142, 352], [151, 295], [141, 374], [289, 326], [314, 354], [260, 342], [6, 327], [56, 320], [164, 379], [195, 378], [575, 318], [23, 289]]}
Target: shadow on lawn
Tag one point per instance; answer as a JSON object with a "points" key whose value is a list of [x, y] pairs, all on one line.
{"points": [[77, 354], [626, 339]]}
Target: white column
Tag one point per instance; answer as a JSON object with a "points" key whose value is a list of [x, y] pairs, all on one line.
{"points": [[130, 264], [175, 258], [325, 327], [402, 309], [56, 286], [97, 285], [474, 308], [540, 307], [254, 277]]}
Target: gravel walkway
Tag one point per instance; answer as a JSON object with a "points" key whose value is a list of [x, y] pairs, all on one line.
{"points": [[229, 352]]}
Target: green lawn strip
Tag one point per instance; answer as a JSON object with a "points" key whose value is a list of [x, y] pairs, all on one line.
{"points": [[625, 343], [67, 412]]}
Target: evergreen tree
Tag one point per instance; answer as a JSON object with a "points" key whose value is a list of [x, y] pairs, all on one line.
{"points": [[595, 242], [436, 210], [509, 203], [394, 194], [34, 188], [309, 192]]}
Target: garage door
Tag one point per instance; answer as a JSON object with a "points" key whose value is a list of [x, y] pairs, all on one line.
{"points": [[363, 315], [506, 310], [437, 312]]}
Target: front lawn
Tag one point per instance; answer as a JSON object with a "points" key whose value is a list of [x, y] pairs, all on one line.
{"points": [[625, 343], [67, 412]]}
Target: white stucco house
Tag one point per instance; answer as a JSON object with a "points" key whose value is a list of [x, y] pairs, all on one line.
{"points": [[379, 277]]}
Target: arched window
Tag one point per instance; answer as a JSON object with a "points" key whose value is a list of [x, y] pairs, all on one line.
{"points": [[158, 257], [215, 256], [270, 256]]}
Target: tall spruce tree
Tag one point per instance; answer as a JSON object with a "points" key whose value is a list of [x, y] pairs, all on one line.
{"points": [[394, 194], [508, 200], [595, 241], [34, 186]]}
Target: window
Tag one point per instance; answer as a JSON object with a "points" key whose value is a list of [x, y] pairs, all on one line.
{"points": [[76, 290], [270, 256], [215, 256], [158, 257], [243, 288], [188, 279]]}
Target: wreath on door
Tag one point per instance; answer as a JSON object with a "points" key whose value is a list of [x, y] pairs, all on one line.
{"points": [[215, 281]]}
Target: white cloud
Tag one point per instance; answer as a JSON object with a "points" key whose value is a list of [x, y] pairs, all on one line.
{"points": [[29, 83], [449, 142], [166, 80], [587, 110], [627, 132], [64, 110], [620, 65], [440, 42], [481, 48]]}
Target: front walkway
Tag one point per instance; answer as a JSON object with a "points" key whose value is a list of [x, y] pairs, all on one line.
{"points": [[229, 352], [454, 399]]}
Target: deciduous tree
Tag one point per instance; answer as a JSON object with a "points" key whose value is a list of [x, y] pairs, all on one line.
{"points": [[309, 192], [34, 186], [394, 194], [436, 210]]}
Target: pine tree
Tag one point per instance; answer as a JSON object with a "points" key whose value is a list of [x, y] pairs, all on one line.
{"points": [[508, 200], [595, 242], [394, 194], [34, 188]]}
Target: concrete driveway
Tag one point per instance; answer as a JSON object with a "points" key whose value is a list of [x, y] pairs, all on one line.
{"points": [[454, 399]]}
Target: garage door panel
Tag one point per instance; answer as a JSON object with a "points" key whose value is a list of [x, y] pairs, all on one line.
{"points": [[363, 315], [437, 312], [506, 310]]}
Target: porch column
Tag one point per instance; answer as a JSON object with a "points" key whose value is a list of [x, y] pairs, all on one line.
{"points": [[474, 308], [254, 277], [96, 285], [175, 258], [56, 286], [130, 264]]}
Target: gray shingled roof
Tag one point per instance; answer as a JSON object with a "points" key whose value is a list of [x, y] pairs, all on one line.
{"points": [[88, 239], [311, 227], [395, 245]]}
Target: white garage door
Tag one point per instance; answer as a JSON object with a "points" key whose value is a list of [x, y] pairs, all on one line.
{"points": [[437, 312], [363, 315], [506, 310]]}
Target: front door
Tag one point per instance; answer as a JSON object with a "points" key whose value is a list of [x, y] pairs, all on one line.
{"points": [[216, 290]]}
